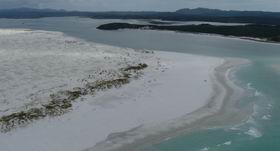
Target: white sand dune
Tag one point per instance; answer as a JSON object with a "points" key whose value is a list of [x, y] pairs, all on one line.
{"points": [[35, 64]]}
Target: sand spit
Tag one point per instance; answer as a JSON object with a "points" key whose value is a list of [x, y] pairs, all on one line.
{"points": [[220, 110], [173, 94]]}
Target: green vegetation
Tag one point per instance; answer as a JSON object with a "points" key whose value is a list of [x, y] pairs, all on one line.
{"points": [[62, 101], [138, 67], [265, 32]]}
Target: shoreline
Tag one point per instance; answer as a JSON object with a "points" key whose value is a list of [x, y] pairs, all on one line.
{"points": [[162, 103], [209, 29], [226, 95], [250, 39]]}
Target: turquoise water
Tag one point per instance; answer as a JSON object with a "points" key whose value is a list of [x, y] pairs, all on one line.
{"points": [[261, 78], [265, 81]]}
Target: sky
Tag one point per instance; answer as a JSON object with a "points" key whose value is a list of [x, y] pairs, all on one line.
{"points": [[143, 5]]}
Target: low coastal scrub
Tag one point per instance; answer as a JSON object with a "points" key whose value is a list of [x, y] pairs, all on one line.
{"points": [[264, 32], [138, 67], [61, 102]]}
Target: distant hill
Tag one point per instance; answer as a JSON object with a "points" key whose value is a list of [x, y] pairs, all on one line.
{"points": [[24, 9], [18, 13], [198, 14], [199, 11], [230, 13]]}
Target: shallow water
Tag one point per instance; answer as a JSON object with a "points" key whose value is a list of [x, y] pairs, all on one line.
{"points": [[261, 78]]}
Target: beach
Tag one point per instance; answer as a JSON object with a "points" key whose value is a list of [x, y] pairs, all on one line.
{"points": [[175, 93], [219, 111]]}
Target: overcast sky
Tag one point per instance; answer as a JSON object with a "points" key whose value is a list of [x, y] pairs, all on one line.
{"points": [[138, 5]]}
